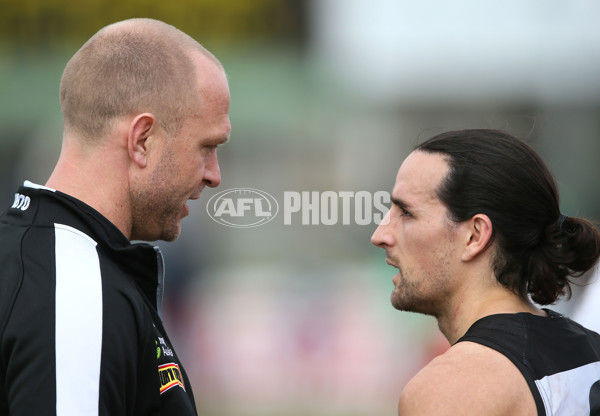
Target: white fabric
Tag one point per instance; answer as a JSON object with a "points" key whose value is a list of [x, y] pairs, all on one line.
{"points": [[577, 382], [78, 323], [587, 308], [29, 184]]}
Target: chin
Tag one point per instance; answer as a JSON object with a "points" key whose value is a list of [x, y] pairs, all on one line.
{"points": [[170, 236], [171, 233], [402, 303]]}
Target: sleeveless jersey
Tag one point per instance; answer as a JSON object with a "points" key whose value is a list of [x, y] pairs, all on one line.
{"points": [[559, 358]]}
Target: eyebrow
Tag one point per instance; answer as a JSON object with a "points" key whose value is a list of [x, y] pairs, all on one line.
{"points": [[400, 203], [218, 141]]}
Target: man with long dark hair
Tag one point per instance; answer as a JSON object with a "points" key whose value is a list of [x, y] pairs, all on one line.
{"points": [[479, 241]]}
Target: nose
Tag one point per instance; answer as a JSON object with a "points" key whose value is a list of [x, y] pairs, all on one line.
{"points": [[212, 171], [382, 237]]}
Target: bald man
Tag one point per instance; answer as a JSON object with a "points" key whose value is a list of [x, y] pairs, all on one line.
{"points": [[145, 107]]}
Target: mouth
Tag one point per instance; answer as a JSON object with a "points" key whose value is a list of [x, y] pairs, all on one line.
{"points": [[197, 194], [397, 275], [391, 263], [193, 197]]}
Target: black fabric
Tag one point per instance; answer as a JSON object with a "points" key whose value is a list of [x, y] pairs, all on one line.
{"points": [[132, 368], [595, 399], [538, 346]]}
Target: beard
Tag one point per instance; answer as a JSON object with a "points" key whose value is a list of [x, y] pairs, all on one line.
{"points": [[156, 205], [408, 297], [426, 293], [156, 218]]}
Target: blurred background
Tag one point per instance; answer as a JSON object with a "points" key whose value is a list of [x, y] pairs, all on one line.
{"points": [[327, 95]]}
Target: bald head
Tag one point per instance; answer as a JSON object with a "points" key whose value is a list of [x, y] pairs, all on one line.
{"points": [[127, 68]]}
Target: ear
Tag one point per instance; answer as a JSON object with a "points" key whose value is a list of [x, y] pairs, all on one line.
{"points": [[479, 236], [140, 130]]}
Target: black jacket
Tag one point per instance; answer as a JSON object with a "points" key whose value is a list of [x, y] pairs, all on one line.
{"points": [[80, 332]]}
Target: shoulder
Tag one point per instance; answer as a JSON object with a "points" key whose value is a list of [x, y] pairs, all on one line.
{"points": [[468, 379]]}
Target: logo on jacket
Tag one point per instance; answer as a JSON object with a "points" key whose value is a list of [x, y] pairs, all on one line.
{"points": [[170, 376], [21, 202], [162, 348]]}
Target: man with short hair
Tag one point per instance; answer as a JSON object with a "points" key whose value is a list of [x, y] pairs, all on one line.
{"points": [[476, 232], [145, 107]]}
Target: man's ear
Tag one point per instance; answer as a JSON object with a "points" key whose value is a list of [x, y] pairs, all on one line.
{"points": [[479, 236], [140, 129]]}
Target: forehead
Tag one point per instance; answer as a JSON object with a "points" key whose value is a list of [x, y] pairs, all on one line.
{"points": [[211, 116], [213, 87], [419, 177]]}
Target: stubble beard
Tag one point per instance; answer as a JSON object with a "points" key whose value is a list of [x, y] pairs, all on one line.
{"points": [[406, 297], [418, 296], [156, 218], [155, 210]]}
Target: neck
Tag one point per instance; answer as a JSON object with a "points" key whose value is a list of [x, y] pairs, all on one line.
{"points": [[96, 177], [465, 310]]}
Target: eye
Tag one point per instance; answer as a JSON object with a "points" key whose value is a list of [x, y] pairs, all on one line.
{"points": [[208, 149], [404, 212], [401, 207]]}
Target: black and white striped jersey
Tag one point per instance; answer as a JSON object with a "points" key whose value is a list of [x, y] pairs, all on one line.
{"points": [[80, 332], [559, 358]]}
